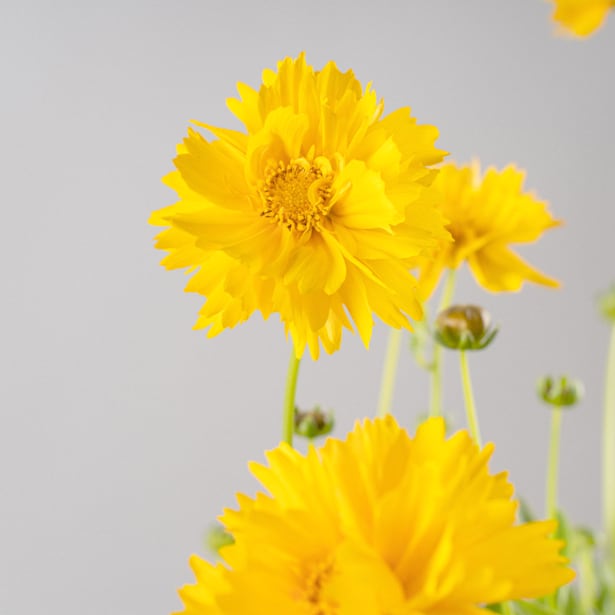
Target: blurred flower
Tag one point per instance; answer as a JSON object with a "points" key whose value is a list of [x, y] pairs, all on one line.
{"points": [[378, 523], [316, 212], [487, 214], [581, 17]]}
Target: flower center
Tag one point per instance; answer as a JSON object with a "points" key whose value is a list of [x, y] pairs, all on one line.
{"points": [[315, 582], [297, 195]]}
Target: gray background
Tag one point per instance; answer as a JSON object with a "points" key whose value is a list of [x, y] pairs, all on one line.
{"points": [[123, 432]]}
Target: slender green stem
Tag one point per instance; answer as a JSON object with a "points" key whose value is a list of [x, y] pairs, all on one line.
{"points": [[389, 372], [435, 406], [435, 382], [506, 608], [447, 292], [587, 584], [288, 422], [468, 395], [553, 467], [608, 452]]}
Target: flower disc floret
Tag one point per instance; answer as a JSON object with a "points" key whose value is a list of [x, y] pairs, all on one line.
{"points": [[378, 523], [316, 212], [297, 195]]}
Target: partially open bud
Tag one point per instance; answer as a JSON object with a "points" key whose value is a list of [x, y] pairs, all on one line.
{"points": [[560, 392], [313, 423], [464, 327], [606, 304]]}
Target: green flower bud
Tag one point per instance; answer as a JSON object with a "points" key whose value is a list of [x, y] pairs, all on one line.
{"points": [[606, 304], [464, 327], [313, 423], [217, 537], [560, 392]]}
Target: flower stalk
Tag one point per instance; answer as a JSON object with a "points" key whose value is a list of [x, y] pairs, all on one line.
{"points": [[468, 396], [389, 372], [435, 406], [587, 586], [558, 394], [288, 421], [553, 466], [608, 452], [507, 609]]}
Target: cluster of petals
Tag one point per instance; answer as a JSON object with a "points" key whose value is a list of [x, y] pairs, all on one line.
{"points": [[486, 214], [317, 211], [581, 17], [380, 523]]}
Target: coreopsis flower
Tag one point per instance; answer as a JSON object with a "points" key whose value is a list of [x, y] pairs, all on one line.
{"points": [[316, 212], [378, 523], [486, 215], [581, 17]]}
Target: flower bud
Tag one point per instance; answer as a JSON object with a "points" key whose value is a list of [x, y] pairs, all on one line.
{"points": [[313, 423], [606, 304], [560, 392], [217, 537], [464, 327]]}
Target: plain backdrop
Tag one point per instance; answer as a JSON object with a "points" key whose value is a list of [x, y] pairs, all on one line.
{"points": [[123, 432]]}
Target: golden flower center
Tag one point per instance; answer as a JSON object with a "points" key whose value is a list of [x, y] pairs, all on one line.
{"points": [[315, 582], [297, 195]]}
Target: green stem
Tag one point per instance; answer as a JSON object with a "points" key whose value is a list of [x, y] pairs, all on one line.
{"points": [[552, 471], [447, 292], [506, 608], [389, 372], [468, 395], [288, 422], [608, 452], [587, 584], [435, 407]]}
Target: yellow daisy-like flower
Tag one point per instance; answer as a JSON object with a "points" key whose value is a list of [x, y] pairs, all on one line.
{"points": [[380, 523], [485, 216], [316, 212], [581, 17]]}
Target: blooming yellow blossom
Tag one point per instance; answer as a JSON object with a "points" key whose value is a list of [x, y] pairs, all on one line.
{"points": [[378, 523], [485, 216], [581, 17], [316, 212]]}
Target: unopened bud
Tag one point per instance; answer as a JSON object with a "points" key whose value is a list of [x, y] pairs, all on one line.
{"points": [[606, 304], [560, 392], [464, 327], [218, 537], [313, 423]]}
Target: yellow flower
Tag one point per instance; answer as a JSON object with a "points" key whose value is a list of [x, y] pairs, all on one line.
{"points": [[485, 216], [316, 212], [378, 523], [582, 17]]}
